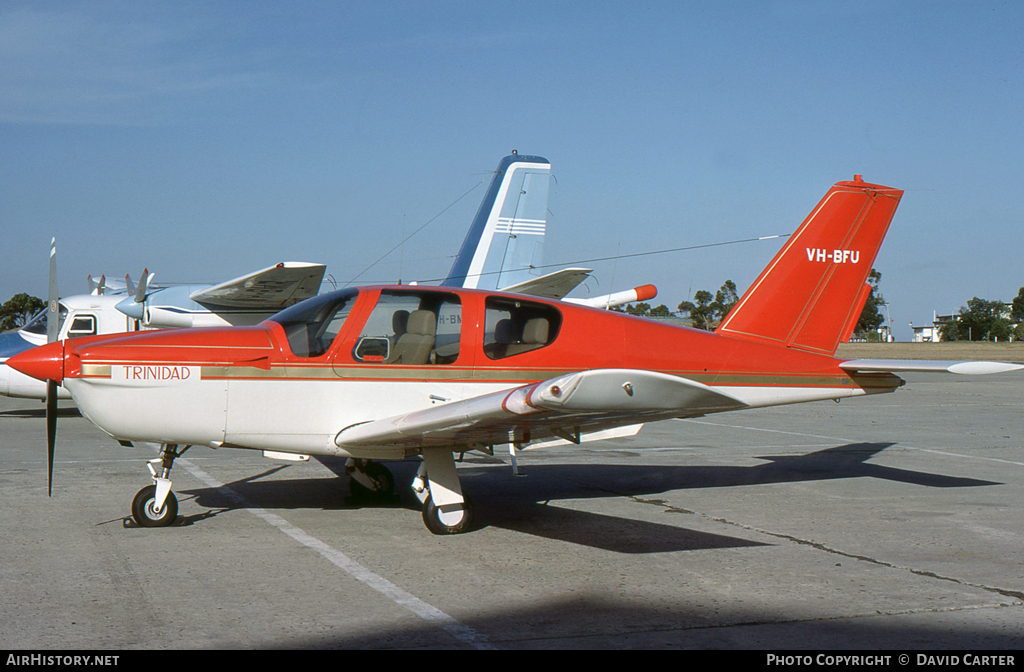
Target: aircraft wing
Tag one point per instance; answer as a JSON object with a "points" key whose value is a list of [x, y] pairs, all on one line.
{"points": [[929, 365], [565, 407], [272, 288], [553, 285]]}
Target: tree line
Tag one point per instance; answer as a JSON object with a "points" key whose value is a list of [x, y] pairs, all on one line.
{"points": [[19, 310], [985, 320], [708, 310], [979, 320]]}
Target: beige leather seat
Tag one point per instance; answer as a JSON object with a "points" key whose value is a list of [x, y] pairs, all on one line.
{"points": [[535, 335], [415, 345]]}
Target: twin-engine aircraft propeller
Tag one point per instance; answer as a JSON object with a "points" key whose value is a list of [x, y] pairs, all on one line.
{"points": [[135, 305]]}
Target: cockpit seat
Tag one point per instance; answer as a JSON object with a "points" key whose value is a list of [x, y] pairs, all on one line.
{"points": [[415, 345], [535, 335]]}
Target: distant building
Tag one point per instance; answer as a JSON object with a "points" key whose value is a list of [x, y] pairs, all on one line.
{"points": [[883, 335], [929, 333]]}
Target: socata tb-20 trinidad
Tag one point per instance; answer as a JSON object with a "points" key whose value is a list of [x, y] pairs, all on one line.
{"points": [[383, 373]]}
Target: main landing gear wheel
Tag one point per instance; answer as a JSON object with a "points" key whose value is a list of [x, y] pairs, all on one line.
{"points": [[143, 508], [369, 480], [455, 520]]}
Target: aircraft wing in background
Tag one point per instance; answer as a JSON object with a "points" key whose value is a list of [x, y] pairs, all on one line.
{"points": [[553, 285], [273, 288]]}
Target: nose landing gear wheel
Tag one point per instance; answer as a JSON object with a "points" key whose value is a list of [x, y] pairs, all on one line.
{"points": [[146, 516], [447, 522]]}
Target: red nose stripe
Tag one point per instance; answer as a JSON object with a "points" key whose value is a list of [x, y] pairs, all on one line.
{"points": [[45, 362]]}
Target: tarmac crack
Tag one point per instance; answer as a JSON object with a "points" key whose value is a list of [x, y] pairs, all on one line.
{"points": [[757, 623], [1016, 595]]}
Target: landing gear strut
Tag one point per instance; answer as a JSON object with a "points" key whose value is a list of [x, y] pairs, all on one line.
{"points": [[155, 505], [446, 510]]}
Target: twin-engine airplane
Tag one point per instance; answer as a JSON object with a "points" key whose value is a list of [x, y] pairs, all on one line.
{"points": [[382, 373]]}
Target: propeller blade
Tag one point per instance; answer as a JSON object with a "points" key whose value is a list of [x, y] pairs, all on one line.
{"points": [[51, 432], [52, 299], [140, 290]]}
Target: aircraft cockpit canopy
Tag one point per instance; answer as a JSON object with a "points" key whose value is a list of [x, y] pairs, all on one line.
{"points": [[311, 325], [411, 327], [417, 327]]}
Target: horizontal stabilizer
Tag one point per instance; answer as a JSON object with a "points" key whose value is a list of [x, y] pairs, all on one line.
{"points": [[564, 407], [929, 365], [272, 288], [553, 285]]}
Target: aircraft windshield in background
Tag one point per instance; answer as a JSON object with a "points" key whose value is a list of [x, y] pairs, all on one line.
{"points": [[384, 373]]}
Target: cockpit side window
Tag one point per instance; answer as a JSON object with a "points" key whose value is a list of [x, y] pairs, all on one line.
{"points": [[312, 325], [414, 328], [512, 327], [82, 325]]}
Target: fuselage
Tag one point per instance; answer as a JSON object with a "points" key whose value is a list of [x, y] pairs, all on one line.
{"points": [[270, 387]]}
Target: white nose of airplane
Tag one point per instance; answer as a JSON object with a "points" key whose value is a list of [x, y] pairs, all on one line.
{"points": [[11, 344]]}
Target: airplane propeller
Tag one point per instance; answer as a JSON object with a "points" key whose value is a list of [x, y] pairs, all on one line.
{"points": [[97, 287], [52, 327], [143, 287], [51, 432], [135, 305]]}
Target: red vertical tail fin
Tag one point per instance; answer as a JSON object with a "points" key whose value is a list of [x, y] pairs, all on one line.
{"points": [[807, 296]]}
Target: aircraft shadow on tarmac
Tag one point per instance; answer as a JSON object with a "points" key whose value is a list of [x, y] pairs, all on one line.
{"points": [[523, 504], [603, 622]]}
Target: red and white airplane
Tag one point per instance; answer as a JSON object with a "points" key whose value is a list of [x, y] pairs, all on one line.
{"points": [[386, 373]]}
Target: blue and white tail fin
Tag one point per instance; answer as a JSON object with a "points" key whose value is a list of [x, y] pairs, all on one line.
{"points": [[505, 243]]}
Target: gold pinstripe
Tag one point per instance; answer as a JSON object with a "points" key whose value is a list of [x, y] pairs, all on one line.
{"points": [[467, 375]]}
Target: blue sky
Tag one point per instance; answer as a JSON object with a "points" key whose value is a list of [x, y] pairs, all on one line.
{"points": [[207, 140]]}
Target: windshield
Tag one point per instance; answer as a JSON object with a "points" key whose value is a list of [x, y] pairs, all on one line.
{"points": [[311, 325], [37, 325]]}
